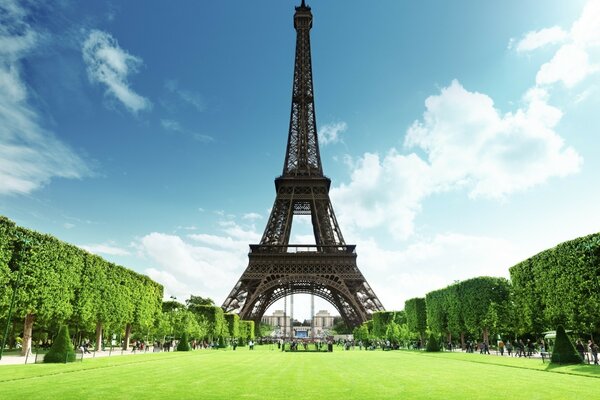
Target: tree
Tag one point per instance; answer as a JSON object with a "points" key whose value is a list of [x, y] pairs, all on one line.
{"points": [[233, 326], [416, 316], [340, 327], [381, 321], [196, 301], [215, 321], [477, 297], [437, 311], [560, 286]]}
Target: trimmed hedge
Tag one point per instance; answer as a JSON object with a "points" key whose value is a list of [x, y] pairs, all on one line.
{"points": [[416, 315], [61, 282], [564, 352], [184, 343], [61, 350], [559, 286], [433, 344]]}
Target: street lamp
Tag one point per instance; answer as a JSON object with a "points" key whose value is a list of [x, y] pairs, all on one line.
{"points": [[15, 262]]}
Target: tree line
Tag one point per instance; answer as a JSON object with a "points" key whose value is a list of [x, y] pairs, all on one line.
{"points": [[46, 282], [559, 286]]}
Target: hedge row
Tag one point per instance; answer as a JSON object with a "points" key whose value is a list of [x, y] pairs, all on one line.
{"points": [[62, 283], [560, 286]]}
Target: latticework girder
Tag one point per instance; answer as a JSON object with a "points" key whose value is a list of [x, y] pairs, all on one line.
{"points": [[328, 269]]}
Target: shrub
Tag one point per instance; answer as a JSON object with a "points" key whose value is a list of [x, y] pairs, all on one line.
{"points": [[564, 352], [433, 344], [61, 350], [184, 343]]}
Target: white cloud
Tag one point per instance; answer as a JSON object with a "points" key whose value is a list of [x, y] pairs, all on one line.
{"points": [[109, 64], [577, 57], [210, 266], [172, 125], [186, 96], [330, 133], [105, 248], [468, 144], [570, 65], [433, 263], [30, 156], [536, 39], [252, 216]]}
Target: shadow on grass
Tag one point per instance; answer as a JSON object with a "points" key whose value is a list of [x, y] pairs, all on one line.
{"points": [[575, 369]]}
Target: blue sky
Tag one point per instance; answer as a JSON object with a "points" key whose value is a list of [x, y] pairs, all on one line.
{"points": [[461, 137]]}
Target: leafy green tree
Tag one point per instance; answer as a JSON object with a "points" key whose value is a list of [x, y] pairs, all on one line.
{"points": [[215, 321], [437, 310], [340, 327], [456, 324], [381, 321], [416, 316], [560, 286], [233, 325], [481, 297]]}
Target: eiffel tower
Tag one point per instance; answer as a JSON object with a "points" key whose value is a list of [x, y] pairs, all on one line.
{"points": [[278, 269]]}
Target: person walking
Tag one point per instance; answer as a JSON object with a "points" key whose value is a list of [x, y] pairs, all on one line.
{"points": [[594, 350], [501, 347], [509, 347]]}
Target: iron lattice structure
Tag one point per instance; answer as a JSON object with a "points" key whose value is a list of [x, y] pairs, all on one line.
{"points": [[328, 269]]}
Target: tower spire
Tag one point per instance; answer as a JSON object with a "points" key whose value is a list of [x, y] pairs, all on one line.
{"points": [[302, 157]]}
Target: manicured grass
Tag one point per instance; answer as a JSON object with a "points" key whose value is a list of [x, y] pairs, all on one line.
{"points": [[271, 374]]}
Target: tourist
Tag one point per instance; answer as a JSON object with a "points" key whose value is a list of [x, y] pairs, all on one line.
{"points": [[594, 350], [501, 347], [251, 344], [509, 347]]}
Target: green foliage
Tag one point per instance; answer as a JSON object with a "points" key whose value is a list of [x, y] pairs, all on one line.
{"points": [[559, 286], [262, 329], [62, 349], [477, 295], [416, 315], [246, 330], [361, 332], [215, 320], [61, 282], [184, 343], [433, 344], [437, 310], [233, 325], [340, 327], [381, 321], [564, 351], [195, 301]]}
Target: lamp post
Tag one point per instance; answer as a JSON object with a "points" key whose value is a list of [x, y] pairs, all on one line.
{"points": [[15, 261]]}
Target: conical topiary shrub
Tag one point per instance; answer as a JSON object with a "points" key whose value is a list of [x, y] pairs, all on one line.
{"points": [[564, 351], [184, 343], [433, 344], [62, 349]]}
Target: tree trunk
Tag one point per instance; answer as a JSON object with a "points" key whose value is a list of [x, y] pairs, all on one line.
{"points": [[486, 336], [462, 340], [27, 332], [98, 336], [127, 334]]}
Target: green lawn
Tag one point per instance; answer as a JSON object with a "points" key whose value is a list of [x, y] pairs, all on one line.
{"points": [[271, 374]]}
